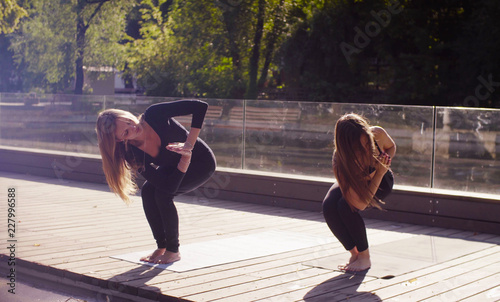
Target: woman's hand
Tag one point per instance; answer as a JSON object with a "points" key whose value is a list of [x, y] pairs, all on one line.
{"points": [[183, 149], [384, 162]]}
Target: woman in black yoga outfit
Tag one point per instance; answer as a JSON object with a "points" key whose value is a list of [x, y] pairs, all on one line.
{"points": [[361, 164], [172, 160]]}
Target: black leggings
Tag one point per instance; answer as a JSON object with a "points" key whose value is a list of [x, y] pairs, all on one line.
{"points": [[346, 225], [159, 206]]}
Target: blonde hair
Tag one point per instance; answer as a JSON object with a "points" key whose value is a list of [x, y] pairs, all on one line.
{"points": [[118, 171], [349, 169]]}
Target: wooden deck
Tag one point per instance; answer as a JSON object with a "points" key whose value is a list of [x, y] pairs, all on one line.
{"points": [[67, 231]]}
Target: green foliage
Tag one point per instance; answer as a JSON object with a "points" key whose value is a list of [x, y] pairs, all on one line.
{"points": [[428, 53], [8, 80], [182, 52], [377, 51], [45, 46], [313, 59], [42, 45], [203, 47], [105, 37], [10, 14]]}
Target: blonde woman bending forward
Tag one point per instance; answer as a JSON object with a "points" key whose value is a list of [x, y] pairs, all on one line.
{"points": [[172, 160], [361, 164]]}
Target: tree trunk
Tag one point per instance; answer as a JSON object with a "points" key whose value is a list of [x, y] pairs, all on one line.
{"points": [[271, 42], [230, 19], [80, 49], [81, 30], [252, 90]]}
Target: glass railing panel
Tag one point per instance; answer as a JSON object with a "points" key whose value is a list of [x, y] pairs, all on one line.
{"points": [[67, 122], [283, 137], [297, 138], [52, 122], [132, 103], [467, 150], [280, 137], [223, 131]]}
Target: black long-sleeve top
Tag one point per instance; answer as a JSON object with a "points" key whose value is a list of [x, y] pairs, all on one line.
{"points": [[163, 174]]}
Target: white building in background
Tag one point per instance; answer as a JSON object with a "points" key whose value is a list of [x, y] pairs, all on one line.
{"points": [[106, 81]]}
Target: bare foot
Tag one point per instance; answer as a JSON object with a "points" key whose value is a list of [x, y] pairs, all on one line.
{"points": [[362, 263], [168, 257], [151, 258], [358, 265], [354, 256]]}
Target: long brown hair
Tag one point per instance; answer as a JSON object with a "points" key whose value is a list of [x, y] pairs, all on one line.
{"points": [[351, 160], [119, 172]]}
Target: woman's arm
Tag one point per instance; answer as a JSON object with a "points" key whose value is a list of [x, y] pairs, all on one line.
{"points": [[191, 138], [162, 111], [386, 143], [185, 153], [197, 108]]}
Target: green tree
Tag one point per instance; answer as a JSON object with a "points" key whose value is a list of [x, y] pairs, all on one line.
{"points": [[150, 55], [313, 60], [186, 49], [10, 14], [9, 78], [207, 48], [428, 53], [420, 50], [61, 37], [477, 57], [276, 27]]}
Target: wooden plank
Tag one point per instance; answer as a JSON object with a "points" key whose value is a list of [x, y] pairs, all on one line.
{"points": [[489, 295], [449, 288], [78, 226], [398, 286], [289, 289], [408, 286], [235, 289], [457, 292]]}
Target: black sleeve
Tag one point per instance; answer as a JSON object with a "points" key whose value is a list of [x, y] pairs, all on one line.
{"points": [[164, 179], [162, 111]]}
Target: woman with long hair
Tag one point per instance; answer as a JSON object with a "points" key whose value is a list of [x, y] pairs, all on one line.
{"points": [[172, 160], [361, 164]]}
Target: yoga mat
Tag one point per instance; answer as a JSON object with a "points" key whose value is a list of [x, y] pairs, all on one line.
{"points": [[407, 255], [215, 252]]}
